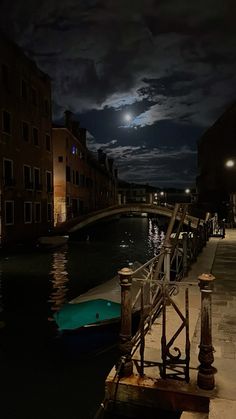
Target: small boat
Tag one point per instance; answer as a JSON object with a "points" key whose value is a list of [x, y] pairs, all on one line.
{"points": [[91, 321], [51, 242]]}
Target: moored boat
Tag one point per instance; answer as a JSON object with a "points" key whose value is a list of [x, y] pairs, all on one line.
{"points": [[92, 320], [51, 242]]}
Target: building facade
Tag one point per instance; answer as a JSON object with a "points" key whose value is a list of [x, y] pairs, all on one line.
{"points": [[136, 193], [82, 183], [25, 147], [216, 183]]}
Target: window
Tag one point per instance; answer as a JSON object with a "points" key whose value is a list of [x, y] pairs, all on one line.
{"points": [[37, 178], [49, 211], [34, 98], [5, 76], [9, 212], [6, 122], [82, 180], [28, 212], [60, 159], [68, 174], [24, 90], [25, 131], [48, 142], [8, 172], [35, 133], [74, 150], [28, 177], [73, 176], [37, 212], [46, 107], [48, 181], [77, 178]]}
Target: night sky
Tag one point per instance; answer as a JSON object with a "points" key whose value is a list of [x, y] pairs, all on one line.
{"points": [[145, 77]]}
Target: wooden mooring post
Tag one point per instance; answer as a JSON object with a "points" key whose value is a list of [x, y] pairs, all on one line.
{"points": [[206, 371], [125, 365]]}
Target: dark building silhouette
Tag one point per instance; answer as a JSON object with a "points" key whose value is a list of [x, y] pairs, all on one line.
{"points": [[25, 147], [216, 183]]}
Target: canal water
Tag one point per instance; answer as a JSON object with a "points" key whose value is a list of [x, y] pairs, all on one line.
{"points": [[39, 378]]}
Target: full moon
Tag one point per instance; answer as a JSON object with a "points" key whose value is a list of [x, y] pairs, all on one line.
{"points": [[128, 117]]}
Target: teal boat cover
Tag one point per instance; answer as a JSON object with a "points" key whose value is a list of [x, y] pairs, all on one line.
{"points": [[72, 316]]}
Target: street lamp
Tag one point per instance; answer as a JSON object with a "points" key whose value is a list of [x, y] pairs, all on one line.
{"points": [[188, 193], [163, 196], [229, 163], [230, 187]]}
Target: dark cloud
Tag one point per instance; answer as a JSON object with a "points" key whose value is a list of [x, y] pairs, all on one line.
{"points": [[160, 60]]}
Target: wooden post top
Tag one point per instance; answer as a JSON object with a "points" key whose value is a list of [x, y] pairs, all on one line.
{"points": [[125, 272], [206, 277]]}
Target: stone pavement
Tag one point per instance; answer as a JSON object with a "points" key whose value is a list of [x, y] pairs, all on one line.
{"points": [[223, 403]]}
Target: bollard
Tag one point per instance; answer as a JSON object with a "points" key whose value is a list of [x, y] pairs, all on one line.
{"points": [[125, 345], [205, 379]]}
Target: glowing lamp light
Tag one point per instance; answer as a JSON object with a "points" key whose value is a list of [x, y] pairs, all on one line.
{"points": [[162, 193], [187, 191], [230, 163]]}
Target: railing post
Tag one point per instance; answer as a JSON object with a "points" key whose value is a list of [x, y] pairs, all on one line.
{"points": [[125, 345], [205, 379], [185, 253], [167, 248]]}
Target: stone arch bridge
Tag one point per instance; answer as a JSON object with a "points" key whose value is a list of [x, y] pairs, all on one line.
{"points": [[84, 220]]}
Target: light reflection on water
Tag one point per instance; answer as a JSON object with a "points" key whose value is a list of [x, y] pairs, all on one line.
{"points": [[59, 280], [35, 286], [155, 237]]}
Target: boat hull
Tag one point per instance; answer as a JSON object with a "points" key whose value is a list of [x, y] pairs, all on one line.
{"points": [[93, 339]]}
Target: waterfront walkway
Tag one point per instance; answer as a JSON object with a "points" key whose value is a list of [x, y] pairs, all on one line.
{"points": [[223, 330], [219, 258]]}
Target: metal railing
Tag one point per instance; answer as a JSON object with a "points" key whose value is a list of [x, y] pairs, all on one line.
{"points": [[147, 289]]}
